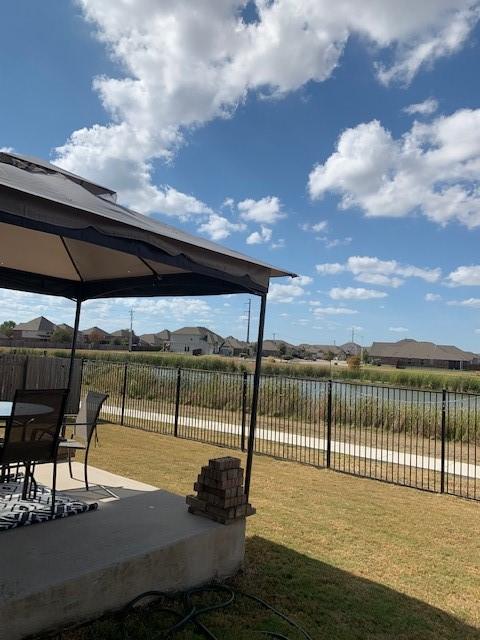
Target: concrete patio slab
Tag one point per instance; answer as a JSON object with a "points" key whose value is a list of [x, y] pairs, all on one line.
{"points": [[71, 570]]}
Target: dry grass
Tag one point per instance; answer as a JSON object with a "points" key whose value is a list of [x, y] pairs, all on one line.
{"points": [[348, 558]]}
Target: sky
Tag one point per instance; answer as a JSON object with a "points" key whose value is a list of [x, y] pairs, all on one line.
{"points": [[337, 141]]}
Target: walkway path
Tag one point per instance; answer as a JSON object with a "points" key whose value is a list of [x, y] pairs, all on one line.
{"points": [[309, 442]]}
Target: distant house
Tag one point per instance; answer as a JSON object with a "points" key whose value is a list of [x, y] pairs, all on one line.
{"points": [[161, 340], [234, 347], [411, 353], [37, 329], [195, 340], [350, 349], [95, 335], [277, 348], [122, 337]]}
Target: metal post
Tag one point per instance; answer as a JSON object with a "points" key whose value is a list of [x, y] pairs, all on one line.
{"points": [[177, 402], [25, 373], [256, 387], [74, 342], [444, 421], [244, 407], [329, 423], [124, 392]]}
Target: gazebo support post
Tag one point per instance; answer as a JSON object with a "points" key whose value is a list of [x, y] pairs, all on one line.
{"points": [[74, 341], [256, 389]]}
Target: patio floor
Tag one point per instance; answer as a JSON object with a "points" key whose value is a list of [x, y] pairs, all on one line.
{"points": [[66, 571]]}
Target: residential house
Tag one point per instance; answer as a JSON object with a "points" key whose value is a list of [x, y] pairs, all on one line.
{"points": [[195, 340], [37, 329], [277, 348], [160, 340], [95, 335], [122, 337], [350, 349], [411, 353], [234, 347]]}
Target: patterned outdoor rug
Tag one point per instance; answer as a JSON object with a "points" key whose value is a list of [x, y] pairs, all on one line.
{"points": [[15, 512]]}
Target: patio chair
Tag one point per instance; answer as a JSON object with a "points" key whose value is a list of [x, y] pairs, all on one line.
{"points": [[32, 433], [84, 428]]}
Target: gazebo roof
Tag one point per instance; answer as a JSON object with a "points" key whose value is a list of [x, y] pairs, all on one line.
{"points": [[63, 235]]}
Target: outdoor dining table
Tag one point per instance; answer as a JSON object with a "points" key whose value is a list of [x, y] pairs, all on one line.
{"points": [[23, 409]]}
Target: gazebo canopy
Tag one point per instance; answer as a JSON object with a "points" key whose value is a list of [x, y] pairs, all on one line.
{"points": [[63, 235]]}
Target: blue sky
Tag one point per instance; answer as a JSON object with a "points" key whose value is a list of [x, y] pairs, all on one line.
{"points": [[284, 130]]}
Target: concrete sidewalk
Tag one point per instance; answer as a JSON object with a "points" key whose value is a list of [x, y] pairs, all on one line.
{"points": [[425, 462]]}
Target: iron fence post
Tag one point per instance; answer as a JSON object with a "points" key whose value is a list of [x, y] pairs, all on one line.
{"points": [[177, 402], [124, 392], [444, 422], [244, 407], [329, 423], [25, 373]]}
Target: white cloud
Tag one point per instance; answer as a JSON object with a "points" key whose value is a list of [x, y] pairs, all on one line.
{"points": [[320, 311], [259, 237], [218, 228], [316, 227], [473, 303], [398, 329], [355, 293], [434, 169], [432, 297], [278, 244], [289, 292], [425, 108], [449, 39], [379, 279], [372, 270], [266, 210], [464, 276], [331, 243], [183, 64], [477, 330], [330, 268]]}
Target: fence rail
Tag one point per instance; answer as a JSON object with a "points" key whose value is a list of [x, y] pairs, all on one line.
{"points": [[425, 439]]}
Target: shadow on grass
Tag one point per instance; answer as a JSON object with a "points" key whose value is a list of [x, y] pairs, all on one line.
{"points": [[327, 602]]}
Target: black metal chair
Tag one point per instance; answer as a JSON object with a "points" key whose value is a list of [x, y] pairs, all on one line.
{"points": [[32, 433], [84, 428]]}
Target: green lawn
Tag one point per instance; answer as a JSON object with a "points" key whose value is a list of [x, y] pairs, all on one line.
{"points": [[347, 558]]}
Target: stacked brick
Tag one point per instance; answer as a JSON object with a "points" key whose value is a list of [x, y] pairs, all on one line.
{"points": [[220, 493]]}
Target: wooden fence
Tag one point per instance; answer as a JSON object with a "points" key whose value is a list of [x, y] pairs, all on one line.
{"points": [[33, 372]]}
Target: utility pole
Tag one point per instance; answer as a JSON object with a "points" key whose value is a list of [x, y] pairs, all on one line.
{"points": [[274, 336], [353, 334], [249, 304], [130, 335]]}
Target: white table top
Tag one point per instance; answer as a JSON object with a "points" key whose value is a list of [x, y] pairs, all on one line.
{"points": [[22, 409]]}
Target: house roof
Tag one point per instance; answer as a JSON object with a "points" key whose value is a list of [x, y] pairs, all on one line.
{"points": [[66, 327], [412, 349], [37, 324], [88, 246], [235, 343], [122, 333], [156, 338], [87, 332], [202, 332], [274, 345]]}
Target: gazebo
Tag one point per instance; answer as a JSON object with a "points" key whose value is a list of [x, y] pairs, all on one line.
{"points": [[63, 235]]}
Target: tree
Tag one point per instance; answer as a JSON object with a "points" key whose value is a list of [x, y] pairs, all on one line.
{"points": [[282, 349], [61, 335], [329, 356], [95, 337], [6, 328], [365, 356]]}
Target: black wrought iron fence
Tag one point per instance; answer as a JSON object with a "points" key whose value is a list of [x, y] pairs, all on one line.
{"points": [[418, 438]]}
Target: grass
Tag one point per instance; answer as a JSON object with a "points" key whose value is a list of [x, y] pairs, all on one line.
{"points": [[349, 559], [432, 379]]}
